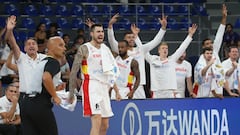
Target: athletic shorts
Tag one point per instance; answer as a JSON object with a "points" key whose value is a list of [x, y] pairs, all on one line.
{"points": [[95, 98]]}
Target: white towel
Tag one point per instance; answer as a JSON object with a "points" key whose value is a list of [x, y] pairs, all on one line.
{"points": [[200, 64], [64, 96], [109, 65]]}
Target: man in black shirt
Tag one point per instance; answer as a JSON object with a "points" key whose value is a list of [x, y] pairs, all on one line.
{"points": [[37, 107]]}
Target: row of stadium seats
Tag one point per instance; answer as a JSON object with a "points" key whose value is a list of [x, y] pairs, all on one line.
{"points": [[72, 9], [123, 23], [112, 1]]}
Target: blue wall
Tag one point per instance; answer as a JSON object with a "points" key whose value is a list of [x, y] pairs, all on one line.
{"points": [[157, 117]]}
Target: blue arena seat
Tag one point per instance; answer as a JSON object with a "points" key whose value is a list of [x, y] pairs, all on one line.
{"points": [[185, 23], [77, 23], [93, 10], [46, 21], [11, 9], [156, 1], [46, 10], [142, 10], [31, 33], [95, 20], [2, 22], [22, 36], [125, 10], [108, 9], [142, 24], [169, 10], [199, 10], [31, 10], [124, 23], [183, 9], [28, 23], [63, 23], [155, 24], [168, 1], [62, 10], [237, 23], [155, 10], [77, 10], [172, 24]]}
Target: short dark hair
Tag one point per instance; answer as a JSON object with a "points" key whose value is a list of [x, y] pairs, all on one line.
{"points": [[65, 35], [30, 38], [53, 25], [95, 25], [231, 47], [205, 40], [229, 24], [124, 41], [206, 49], [127, 32]]}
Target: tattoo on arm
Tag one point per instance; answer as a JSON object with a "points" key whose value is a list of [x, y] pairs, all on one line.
{"points": [[135, 69], [82, 54]]}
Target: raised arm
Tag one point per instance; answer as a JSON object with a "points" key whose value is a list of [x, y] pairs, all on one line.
{"points": [[185, 43], [2, 32], [220, 32], [77, 63], [158, 38], [135, 69], [9, 63], [135, 30], [9, 37], [205, 69], [89, 22], [111, 38], [231, 70]]}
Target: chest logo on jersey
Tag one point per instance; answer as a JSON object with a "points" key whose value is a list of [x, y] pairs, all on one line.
{"points": [[181, 69], [121, 65], [96, 55]]}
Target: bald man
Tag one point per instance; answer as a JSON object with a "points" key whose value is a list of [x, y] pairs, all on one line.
{"points": [[37, 106]]}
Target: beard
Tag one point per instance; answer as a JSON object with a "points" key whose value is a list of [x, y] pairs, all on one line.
{"points": [[122, 54]]}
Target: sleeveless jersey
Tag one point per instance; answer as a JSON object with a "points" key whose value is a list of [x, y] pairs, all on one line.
{"points": [[126, 76]]}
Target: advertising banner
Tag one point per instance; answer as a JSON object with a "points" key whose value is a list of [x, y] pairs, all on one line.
{"points": [[206, 116]]}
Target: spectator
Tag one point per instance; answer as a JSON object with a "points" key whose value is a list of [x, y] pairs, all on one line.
{"points": [[232, 68], [72, 50], [9, 111], [41, 37], [52, 30], [230, 38]]}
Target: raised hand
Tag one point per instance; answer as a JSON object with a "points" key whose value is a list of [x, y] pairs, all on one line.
{"points": [[57, 100], [89, 22], [113, 20], [192, 30], [224, 10], [235, 64], [135, 30], [11, 22], [14, 99], [163, 21]]}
